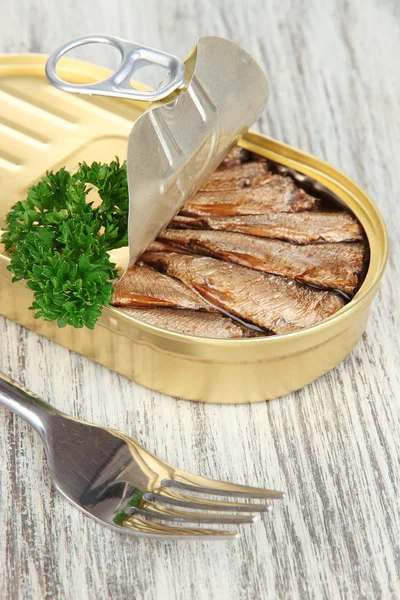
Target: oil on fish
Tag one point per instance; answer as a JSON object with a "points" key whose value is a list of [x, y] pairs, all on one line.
{"points": [[190, 322], [274, 303], [280, 195], [334, 266], [144, 287], [306, 227]]}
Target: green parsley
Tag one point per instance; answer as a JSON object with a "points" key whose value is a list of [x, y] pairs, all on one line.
{"points": [[121, 515], [58, 241]]}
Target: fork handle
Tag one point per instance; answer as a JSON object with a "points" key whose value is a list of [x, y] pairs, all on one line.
{"points": [[25, 404]]}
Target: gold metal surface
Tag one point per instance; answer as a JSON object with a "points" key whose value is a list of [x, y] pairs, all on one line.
{"points": [[42, 128]]}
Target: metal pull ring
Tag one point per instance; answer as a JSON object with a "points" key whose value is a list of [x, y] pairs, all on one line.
{"points": [[118, 85]]}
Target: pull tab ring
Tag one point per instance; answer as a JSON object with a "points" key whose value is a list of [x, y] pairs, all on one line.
{"points": [[118, 85]]}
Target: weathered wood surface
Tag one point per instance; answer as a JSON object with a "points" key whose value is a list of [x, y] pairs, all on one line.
{"points": [[335, 446]]}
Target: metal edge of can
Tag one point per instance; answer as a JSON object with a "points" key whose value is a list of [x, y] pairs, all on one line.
{"points": [[214, 370]]}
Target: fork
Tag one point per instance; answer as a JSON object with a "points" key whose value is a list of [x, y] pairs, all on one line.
{"points": [[114, 480]]}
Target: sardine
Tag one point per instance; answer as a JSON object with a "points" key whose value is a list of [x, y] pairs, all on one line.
{"points": [[190, 322], [243, 175], [235, 157], [157, 246], [280, 195], [141, 286], [299, 228], [274, 303], [334, 266]]}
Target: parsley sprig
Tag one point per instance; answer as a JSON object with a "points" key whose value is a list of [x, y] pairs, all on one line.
{"points": [[58, 241]]}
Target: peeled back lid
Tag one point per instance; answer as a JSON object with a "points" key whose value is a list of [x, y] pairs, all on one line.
{"points": [[207, 106]]}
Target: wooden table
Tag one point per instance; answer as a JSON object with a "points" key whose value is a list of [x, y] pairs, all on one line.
{"points": [[334, 446]]}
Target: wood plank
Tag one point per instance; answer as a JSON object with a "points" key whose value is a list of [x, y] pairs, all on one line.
{"points": [[334, 446]]}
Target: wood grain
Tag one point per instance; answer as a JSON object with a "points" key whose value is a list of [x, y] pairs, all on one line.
{"points": [[334, 446]]}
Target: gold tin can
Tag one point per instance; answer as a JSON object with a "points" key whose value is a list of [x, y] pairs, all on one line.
{"points": [[45, 129]]}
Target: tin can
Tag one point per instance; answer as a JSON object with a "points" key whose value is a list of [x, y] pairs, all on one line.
{"points": [[45, 129]]}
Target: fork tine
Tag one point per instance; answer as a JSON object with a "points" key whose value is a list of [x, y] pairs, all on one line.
{"points": [[203, 485], [177, 499], [153, 528], [163, 513]]}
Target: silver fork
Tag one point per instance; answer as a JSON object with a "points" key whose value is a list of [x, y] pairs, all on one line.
{"points": [[114, 480]]}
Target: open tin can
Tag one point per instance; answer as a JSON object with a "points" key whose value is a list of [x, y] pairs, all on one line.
{"points": [[44, 128]]}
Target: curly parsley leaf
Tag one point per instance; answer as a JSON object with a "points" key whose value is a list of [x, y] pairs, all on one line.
{"points": [[58, 241]]}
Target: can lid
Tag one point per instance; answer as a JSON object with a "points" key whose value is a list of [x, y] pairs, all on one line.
{"points": [[174, 147], [194, 118]]}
